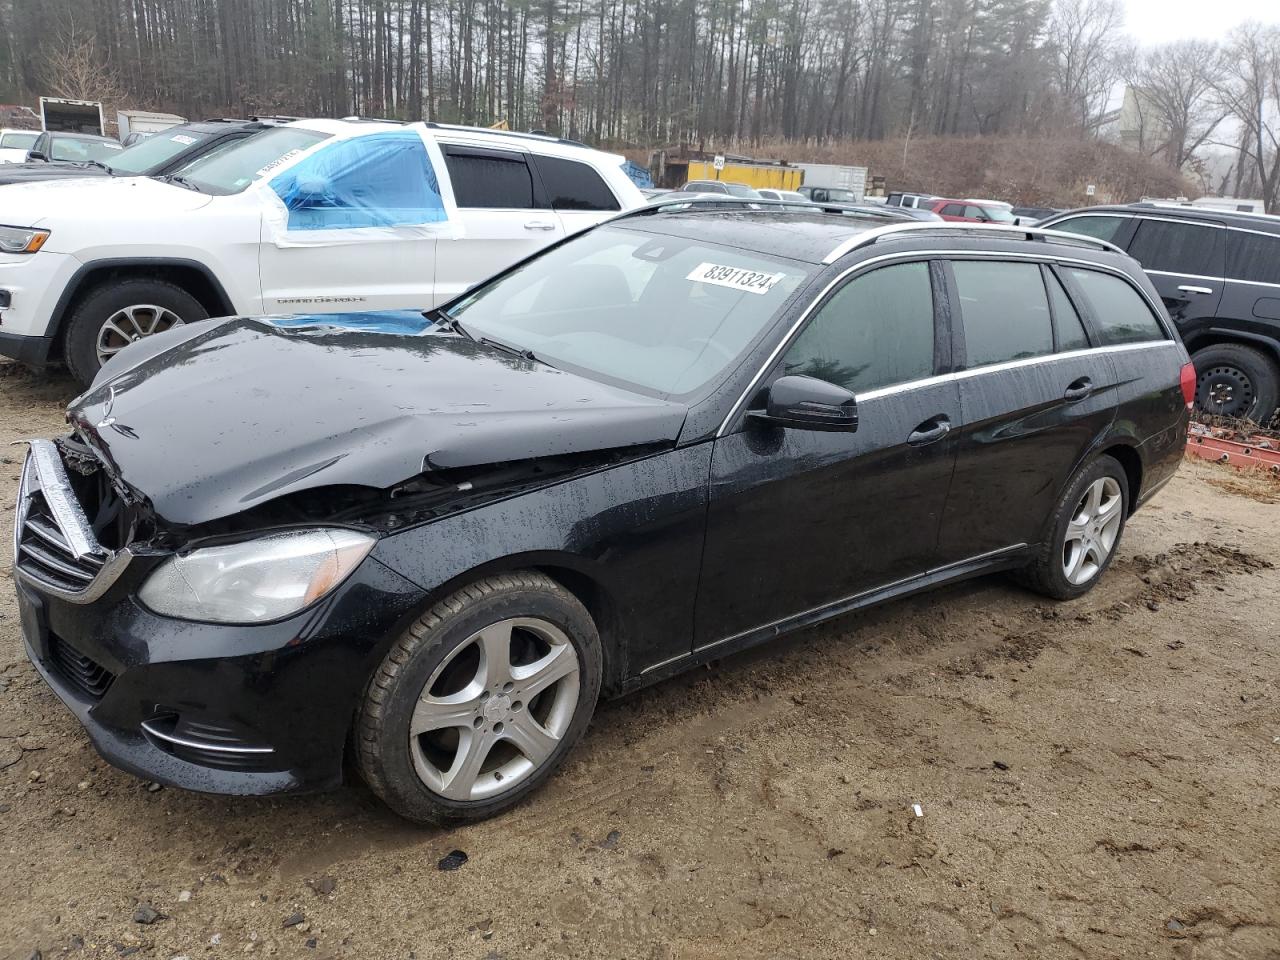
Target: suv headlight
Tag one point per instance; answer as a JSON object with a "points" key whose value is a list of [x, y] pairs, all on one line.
{"points": [[255, 581], [22, 239]]}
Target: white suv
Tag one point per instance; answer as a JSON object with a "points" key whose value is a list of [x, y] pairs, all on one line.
{"points": [[316, 216]]}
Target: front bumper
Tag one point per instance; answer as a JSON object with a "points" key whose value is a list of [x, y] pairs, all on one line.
{"points": [[216, 708]]}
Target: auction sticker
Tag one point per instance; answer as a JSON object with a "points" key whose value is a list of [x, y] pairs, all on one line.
{"points": [[735, 278], [183, 139], [277, 162]]}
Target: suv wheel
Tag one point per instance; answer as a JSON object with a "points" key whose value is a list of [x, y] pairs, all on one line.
{"points": [[115, 315], [1084, 532], [1233, 380], [480, 700]]}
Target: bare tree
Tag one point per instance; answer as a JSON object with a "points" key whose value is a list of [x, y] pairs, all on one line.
{"points": [[1249, 89], [76, 70], [1173, 86], [1085, 41]]}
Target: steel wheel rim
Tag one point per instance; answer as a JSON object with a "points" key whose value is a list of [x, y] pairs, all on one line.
{"points": [[1092, 531], [130, 324], [495, 709], [1226, 391]]}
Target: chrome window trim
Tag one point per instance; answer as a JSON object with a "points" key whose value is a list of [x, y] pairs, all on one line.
{"points": [[908, 255], [1189, 276]]}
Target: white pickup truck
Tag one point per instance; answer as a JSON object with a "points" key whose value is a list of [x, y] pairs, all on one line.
{"points": [[315, 216]]}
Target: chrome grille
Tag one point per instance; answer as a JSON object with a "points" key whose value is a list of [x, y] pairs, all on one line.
{"points": [[55, 548]]}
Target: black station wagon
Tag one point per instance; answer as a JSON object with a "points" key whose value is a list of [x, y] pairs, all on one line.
{"points": [[431, 543]]}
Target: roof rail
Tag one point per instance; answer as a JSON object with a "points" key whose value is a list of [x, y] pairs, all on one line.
{"points": [[541, 137], [868, 237]]}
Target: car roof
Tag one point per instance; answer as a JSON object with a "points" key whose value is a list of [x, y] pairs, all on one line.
{"points": [[795, 234], [1260, 222]]}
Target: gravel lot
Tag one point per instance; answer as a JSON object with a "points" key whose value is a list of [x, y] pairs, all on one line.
{"points": [[1097, 779]]}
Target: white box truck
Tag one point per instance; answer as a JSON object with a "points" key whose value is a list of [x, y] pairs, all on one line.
{"points": [[143, 123], [71, 116], [833, 177]]}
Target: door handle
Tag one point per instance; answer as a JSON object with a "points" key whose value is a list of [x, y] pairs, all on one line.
{"points": [[1078, 390], [935, 428], [539, 225], [1199, 291]]}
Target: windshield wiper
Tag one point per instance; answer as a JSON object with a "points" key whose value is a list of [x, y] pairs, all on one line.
{"points": [[450, 324], [180, 181], [97, 163], [524, 353]]}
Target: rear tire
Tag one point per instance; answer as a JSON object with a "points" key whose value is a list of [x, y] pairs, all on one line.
{"points": [[448, 732], [1082, 534], [116, 313], [1233, 380]]}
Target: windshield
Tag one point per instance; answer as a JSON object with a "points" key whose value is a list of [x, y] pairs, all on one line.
{"points": [[77, 150], [18, 141], [154, 151], [661, 313], [999, 215], [233, 168], [740, 190]]}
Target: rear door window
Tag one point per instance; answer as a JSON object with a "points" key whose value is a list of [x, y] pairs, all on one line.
{"points": [[574, 186], [1005, 311], [1170, 247], [1253, 256], [875, 331], [490, 180], [952, 210], [1121, 313], [1100, 228]]}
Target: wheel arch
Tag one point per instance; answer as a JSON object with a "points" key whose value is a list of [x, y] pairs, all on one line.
{"points": [[1131, 461], [192, 275], [1216, 336]]}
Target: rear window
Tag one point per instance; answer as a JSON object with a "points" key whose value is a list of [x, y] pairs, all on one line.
{"points": [[1100, 228], [1121, 313], [1005, 311], [490, 181], [1252, 256], [574, 186], [1169, 247]]}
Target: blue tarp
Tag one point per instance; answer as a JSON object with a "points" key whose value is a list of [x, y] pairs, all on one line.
{"points": [[377, 321], [379, 180], [638, 174]]}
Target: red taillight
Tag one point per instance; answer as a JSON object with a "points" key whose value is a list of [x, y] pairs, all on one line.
{"points": [[1187, 380]]}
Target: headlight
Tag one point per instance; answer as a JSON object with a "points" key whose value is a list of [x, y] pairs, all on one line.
{"points": [[22, 239], [255, 581]]}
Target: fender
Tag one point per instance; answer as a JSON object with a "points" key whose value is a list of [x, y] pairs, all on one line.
{"points": [[77, 282], [1271, 344]]}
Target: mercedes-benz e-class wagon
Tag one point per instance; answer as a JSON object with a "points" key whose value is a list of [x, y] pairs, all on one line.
{"points": [[430, 542]]}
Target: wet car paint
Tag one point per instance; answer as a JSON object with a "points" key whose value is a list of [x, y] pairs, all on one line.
{"points": [[709, 532]]}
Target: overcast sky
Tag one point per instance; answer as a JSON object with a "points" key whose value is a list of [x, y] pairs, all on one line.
{"points": [[1159, 21]]}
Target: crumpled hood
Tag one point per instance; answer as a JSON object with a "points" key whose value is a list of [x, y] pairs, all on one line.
{"points": [[44, 203], [239, 412]]}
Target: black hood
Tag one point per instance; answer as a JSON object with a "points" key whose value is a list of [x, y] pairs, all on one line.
{"points": [[238, 412], [31, 172]]}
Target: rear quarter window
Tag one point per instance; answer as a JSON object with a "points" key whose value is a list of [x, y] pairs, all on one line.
{"points": [[1121, 313], [1100, 228], [574, 186], [1253, 256]]}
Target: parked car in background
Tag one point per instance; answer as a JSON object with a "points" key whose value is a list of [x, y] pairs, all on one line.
{"points": [[829, 194], [913, 200], [72, 148], [559, 485], [162, 154], [323, 215], [967, 211], [914, 213], [721, 186], [1032, 215], [14, 144], [1218, 272], [770, 194]]}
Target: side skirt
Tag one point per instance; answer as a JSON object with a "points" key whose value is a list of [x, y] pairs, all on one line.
{"points": [[1006, 558]]}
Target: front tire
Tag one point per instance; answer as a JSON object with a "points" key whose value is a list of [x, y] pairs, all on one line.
{"points": [[479, 702], [113, 315], [1083, 532]]}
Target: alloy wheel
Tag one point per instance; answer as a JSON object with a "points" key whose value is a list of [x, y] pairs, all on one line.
{"points": [[495, 709], [1092, 531], [130, 324]]}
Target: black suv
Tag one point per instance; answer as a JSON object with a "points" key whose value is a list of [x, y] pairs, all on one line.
{"points": [[155, 156], [1218, 273], [676, 435]]}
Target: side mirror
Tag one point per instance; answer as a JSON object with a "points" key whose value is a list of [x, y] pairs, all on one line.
{"points": [[34, 156], [806, 403]]}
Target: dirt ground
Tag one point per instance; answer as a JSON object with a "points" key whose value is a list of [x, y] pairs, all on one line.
{"points": [[1096, 779]]}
